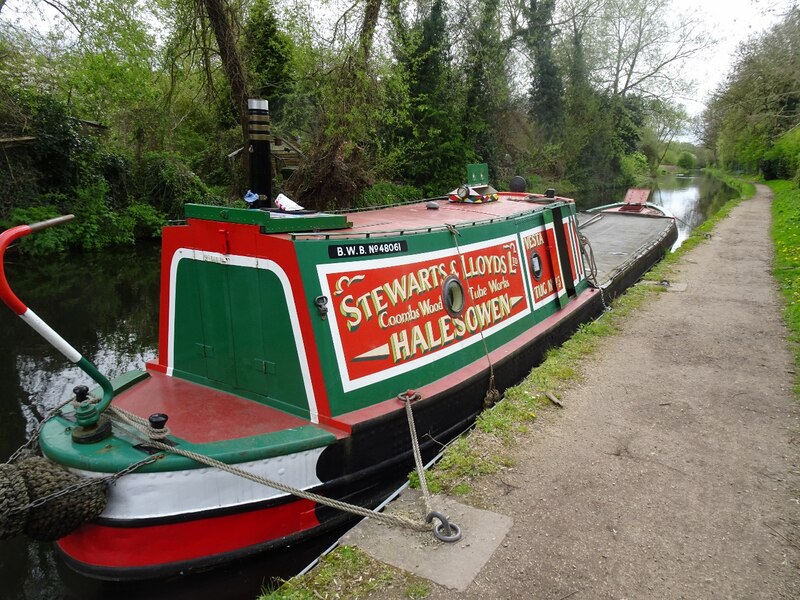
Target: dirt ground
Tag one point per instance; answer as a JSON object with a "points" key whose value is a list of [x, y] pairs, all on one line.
{"points": [[672, 471]]}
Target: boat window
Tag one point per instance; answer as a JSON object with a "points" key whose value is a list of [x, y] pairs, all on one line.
{"points": [[453, 296], [536, 265]]}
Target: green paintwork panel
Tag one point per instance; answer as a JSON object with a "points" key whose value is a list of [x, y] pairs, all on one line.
{"points": [[233, 333], [313, 252], [270, 222], [114, 454]]}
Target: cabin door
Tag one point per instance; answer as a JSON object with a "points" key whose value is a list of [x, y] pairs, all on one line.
{"points": [[238, 336]]}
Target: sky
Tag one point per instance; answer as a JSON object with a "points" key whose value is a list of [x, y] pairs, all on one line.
{"points": [[730, 22]]}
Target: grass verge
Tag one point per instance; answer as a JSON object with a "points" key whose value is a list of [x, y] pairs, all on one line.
{"points": [[347, 572], [786, 237], [488, 448]]}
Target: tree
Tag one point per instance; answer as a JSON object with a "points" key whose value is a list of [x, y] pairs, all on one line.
{"points": [[642, 52], [337, 169], [222, 20], [487, 88], [663, 121], [267, 55], [760, 100]]}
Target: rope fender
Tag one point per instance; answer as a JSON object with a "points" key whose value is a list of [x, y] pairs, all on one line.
{"points": [[45, 501]]}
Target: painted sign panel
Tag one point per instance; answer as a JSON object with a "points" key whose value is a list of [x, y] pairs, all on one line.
{"points": [[544, 275], [390, 315]]}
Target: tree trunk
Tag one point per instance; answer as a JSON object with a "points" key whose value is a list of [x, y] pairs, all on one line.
{"points": [[371, 12], [218, 16]]}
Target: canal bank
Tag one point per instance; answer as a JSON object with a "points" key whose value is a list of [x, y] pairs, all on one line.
{"points": [[672, 472]]}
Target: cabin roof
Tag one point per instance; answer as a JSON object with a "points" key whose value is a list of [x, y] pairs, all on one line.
{"points": [[403, 218], [413, 217]]}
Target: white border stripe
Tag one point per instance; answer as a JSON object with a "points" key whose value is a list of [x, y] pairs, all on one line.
{"points": [[188, 491], [250, 262], [49, 334]]}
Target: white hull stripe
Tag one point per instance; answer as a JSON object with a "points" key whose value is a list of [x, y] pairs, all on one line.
{"points": [[49, 334], [174, 493], [252, 263]]}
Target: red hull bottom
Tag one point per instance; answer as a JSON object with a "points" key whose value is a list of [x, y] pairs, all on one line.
{"points": [[118, 553]]}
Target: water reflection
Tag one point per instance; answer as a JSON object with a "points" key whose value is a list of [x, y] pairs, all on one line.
{"points": [[106, 305], [690, 199]]}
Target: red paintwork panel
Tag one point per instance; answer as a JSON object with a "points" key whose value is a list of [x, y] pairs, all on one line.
{"points": [[544, 288], [122, 547], [200, 414]]}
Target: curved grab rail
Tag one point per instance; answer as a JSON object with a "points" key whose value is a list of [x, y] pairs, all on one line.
{"points": [[87, 414]]}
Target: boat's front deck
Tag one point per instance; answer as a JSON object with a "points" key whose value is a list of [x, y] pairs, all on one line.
{"points": [[200, 414], [617, 239]]}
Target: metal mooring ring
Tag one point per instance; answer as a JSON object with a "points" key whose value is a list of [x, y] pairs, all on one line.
{"points": [[444, 530]]}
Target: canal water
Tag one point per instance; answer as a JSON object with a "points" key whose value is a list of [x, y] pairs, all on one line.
{"points": [[106, 305]]}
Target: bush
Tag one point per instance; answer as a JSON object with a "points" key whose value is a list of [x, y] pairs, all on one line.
{"points": [[634, 167], [782, 161], [167, 184], [687, 161], [383, 193], [96, 224], [53, 239]]}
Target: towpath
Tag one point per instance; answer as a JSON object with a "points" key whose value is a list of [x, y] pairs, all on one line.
{"points": [[673, 470]]}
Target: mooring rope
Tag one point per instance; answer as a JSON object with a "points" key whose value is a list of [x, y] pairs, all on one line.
{"points": [[588, 253], [492, 394]]}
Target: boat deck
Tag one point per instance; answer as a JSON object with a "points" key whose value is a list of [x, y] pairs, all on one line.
{"points": [[619, 239], [201, 415]]}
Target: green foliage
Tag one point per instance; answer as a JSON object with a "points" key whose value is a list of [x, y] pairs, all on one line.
{"points": [[53, 239], [687, 161], [422, 120], [267, 53], [782, 161], [96, 224], [758, 103], [167, 183], [546, 92], [634, 167], [383, 193], [786, 237]]}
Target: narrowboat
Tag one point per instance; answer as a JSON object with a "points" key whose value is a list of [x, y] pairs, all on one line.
{"points": [[289, 344]]}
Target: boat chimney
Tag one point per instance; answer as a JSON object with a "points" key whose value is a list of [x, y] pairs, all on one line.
{"points": [[259, 153]]}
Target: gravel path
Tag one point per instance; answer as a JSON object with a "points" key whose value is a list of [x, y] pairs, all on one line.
{"points": [[673, 470]]}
